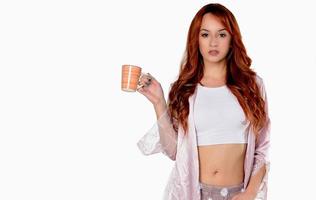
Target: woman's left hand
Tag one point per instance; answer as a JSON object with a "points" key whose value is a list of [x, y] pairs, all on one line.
{"points": [[244, 196]]}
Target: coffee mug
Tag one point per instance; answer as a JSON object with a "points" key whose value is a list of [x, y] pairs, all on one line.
{"points": [[131, 75]]}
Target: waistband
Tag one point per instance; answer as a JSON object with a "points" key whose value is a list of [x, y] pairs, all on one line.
{"points": [[223, 190]]}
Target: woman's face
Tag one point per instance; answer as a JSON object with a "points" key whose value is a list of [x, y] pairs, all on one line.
{"points": [[214, 39]]}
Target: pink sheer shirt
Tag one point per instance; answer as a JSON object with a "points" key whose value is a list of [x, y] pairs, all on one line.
{"points": [[183, 183]]}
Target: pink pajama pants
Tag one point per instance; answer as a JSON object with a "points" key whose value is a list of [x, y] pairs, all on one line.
{"points": [[211, 192]]}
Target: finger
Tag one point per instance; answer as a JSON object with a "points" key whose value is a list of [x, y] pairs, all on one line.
{"points": [[151, 76], [143, 90], [140, 89], [147, 76], [141, 80], [147, 83], [145, 80], [152, 79], [149, 79]]}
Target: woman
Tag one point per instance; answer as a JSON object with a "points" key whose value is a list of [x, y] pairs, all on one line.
{"points": [[215, 124]]}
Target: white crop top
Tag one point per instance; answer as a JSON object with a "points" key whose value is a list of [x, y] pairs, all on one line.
{"points": [[218, 116]]}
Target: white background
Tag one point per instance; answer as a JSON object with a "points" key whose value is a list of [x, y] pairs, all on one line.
{"points": [[67, 131]]}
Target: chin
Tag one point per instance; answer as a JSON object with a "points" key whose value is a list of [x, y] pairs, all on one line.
{"points": [[214, 60]]}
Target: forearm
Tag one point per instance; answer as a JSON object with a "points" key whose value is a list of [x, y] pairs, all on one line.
{"points": [[160, 108], [255, 181]]}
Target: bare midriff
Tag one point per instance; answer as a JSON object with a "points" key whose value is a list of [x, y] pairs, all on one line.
{"points": [[222, 164]]}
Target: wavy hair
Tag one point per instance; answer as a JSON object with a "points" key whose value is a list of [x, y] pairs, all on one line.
{"points": [[240, 79]]}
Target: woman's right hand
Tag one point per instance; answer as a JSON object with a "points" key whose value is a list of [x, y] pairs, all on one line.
{"points": [[151, 89]]}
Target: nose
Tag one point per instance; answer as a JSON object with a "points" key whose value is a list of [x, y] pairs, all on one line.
{"points": [[213, 42]]}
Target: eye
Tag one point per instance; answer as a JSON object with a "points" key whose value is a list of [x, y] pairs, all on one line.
{"points": [[222, 35], [204, 34]]}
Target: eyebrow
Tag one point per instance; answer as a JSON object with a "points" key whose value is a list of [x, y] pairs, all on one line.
{"points": [[203, 29]]}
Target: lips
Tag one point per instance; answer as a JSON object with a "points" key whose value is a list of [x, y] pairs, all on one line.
{"points": [[213, 52]]}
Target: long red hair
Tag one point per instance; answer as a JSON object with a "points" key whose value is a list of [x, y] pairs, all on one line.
{"points": [[240, 79]]}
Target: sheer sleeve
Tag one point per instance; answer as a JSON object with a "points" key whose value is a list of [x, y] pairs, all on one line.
{"points": [[261, 156], [161, 137]]}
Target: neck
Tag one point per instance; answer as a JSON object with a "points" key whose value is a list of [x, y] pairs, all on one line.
{"points": [[215, 71]]}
